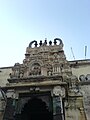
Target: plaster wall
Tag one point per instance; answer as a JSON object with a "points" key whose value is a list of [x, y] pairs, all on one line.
{"points": [[74, 114], [4, 75], [74, 109], [81, 70], [85, 89]]}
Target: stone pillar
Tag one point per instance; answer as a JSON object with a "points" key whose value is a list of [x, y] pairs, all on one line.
{"points": [[58, 113], [56, 70], [59, 69], [44, 71]]}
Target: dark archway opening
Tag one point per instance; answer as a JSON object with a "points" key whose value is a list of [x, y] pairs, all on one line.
{"points": [[36, 109]]}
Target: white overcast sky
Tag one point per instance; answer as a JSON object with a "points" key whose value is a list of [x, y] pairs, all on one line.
{"points": [[22, 21]]}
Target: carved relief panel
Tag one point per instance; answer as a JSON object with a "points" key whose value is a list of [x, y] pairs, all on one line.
{"points": [[35, 69]]}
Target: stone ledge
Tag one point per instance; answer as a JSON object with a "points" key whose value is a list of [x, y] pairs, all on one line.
{"points": [[84, 83], [28, 84], [35, 79]]}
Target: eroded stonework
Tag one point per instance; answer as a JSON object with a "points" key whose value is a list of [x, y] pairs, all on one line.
{"points": [[46, 75], [43, 60]]}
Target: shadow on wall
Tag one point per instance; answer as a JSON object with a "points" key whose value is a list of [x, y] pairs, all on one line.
{"points": [[34, 109]]}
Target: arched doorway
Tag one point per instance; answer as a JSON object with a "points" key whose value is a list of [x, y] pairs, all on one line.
{"points": [[35, 109]]}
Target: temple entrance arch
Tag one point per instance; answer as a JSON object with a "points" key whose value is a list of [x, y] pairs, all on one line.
{"points": [[35, 109]]}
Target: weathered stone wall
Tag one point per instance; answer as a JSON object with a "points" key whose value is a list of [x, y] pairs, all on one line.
{"points": [[82, 67], [2, 108], [4, 75], [81, 70], [85, 89], [51, 61], [74, 110]]}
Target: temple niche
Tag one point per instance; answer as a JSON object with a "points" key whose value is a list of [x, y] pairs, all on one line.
{"points": [[35, 69], [43, 85]]}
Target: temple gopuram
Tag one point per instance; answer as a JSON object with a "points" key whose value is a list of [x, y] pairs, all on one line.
{"points": [[46, 86]]}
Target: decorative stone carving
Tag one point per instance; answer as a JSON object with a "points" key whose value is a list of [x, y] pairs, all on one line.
{"points": [[88, 77], [59, 91], [82, 78], [15, 71], [35, 69], [43, 60], [30, 45]]}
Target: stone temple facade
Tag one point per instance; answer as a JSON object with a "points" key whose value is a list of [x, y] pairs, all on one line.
{"points": [[46, 86]]}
